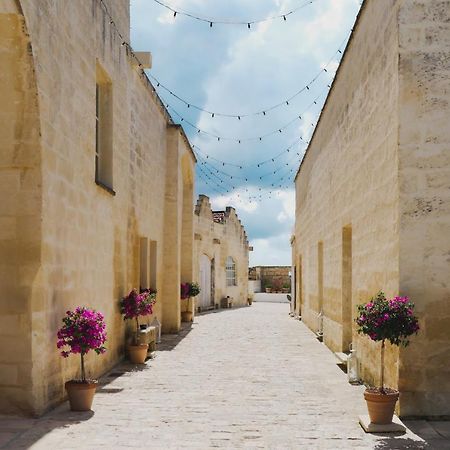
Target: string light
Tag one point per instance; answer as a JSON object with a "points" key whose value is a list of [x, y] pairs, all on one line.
{"points": [[262, 112], [221, 21], [258, 164], [202, 174], [251, 138]]}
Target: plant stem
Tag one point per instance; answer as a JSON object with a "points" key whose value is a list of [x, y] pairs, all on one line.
{"points": [[382, 367], [83, 373], [137, 331]]}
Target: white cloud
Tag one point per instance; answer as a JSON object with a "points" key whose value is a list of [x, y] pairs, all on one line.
{"points": [[235, 70], [271, 251]]}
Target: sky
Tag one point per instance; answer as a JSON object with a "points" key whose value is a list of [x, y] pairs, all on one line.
{"points": [[248, 99]]}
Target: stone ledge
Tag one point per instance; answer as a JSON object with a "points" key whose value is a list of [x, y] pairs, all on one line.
{"points": [[396, 426]]}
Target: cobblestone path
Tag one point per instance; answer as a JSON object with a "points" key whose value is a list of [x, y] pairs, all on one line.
{"points": [[245, 378]]}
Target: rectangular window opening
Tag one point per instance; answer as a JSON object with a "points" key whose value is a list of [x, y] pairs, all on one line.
{"points": [[153, 264], [231, 272], [103, 130], [347, 319], [144, 266]]}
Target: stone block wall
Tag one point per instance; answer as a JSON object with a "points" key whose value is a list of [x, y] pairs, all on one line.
{"points": [[77, 243], [424, 190], [349, 180], [372, 196], [273, 277]]}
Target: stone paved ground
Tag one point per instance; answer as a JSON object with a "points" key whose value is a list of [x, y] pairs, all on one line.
{"points": [[249, 378]]}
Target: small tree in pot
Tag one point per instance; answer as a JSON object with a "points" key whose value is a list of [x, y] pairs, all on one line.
{"points": [[386, 320], [133, 306], [83, 330], [188, 291]]}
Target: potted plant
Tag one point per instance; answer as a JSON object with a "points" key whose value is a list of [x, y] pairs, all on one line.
{"points": [[268, 288], [385, 320], [188, 291], [133, 306], [83, 330], [285, 288]]}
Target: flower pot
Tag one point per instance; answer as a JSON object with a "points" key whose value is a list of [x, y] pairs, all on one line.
{"points": [[268, 290], [381, 406], [137, 353], [81, 394], [186, 316]]}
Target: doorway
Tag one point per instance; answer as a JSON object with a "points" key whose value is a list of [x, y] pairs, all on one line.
{"points": [[206, 283]]}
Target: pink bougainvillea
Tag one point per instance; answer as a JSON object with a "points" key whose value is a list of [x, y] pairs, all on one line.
{"points": [[135, 305], [387, 320], [83, 330], [391, 320]]}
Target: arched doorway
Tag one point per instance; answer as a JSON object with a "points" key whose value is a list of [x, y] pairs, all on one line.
{"points": [[206, 283]]}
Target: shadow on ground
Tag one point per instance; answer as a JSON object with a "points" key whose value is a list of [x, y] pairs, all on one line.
{"points": [[13, 429], [23, 433], [170, 341]]}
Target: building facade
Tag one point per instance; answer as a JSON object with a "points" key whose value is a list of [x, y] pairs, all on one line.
{"points": [[221, 256], [373, 197], [97, 190]]}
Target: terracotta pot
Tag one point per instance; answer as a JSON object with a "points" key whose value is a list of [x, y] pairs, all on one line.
{"points": [[381, 406], [80, 394], [137, 353], [186, 316]]}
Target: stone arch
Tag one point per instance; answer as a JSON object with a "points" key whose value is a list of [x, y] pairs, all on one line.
{"points": [[21, 215]]}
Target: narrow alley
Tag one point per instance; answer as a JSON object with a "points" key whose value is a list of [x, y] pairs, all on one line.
{"points": [[241, 378]]}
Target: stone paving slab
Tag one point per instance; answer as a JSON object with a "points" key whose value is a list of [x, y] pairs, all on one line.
{"points": [[248, 378]]}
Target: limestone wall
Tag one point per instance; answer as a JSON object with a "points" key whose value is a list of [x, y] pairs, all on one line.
{"points": [[348, 183], [20, 207], [424, 174], [81, 242], [373, 196], [217, 240], [274, 277]]}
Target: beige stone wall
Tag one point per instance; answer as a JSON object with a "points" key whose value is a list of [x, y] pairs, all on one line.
{"points": [[349, 178], [373, 192], [424, 173], [20, 208], [79, 244], [218, 241], [275, 277]]}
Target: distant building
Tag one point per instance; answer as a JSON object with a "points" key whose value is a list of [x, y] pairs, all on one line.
{"points": [[271, 278], [373, 197], [221, 256]]}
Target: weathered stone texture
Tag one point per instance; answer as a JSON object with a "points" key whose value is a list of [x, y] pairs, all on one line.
{"points": [[64, 240], [275, 277], [378, 165], [424, 174]]}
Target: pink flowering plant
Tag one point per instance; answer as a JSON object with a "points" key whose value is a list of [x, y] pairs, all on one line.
{"points": [[392, 320], [188, 290], [83, 330], [137, 304]]}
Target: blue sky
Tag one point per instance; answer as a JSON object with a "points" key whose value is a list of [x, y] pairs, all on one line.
{"points": [[230, 69]]}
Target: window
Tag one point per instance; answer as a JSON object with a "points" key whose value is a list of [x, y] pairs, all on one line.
{"points": [[144, 274], [153, 264], [103, 131], [347, 317], [231, 272]]}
